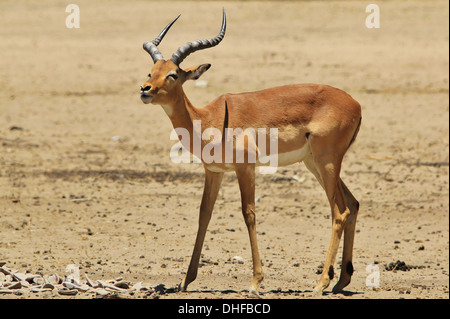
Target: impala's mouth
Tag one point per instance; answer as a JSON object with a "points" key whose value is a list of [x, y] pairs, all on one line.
{"points": [[145, 97]]}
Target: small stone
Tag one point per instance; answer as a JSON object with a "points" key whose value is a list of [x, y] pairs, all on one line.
{"points": [[16, 285], [101, 291], [67, 292], [5, 291], [39, 289], [122, 284], [48, 286]]}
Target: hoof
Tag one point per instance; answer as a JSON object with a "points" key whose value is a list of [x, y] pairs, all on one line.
{"points": [[182, 287], [321, 286], [254, 292], [336, 290], [339, 287], [318, 292]]}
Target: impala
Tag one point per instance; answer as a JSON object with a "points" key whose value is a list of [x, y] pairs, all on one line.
{"points": [[316, 124]]}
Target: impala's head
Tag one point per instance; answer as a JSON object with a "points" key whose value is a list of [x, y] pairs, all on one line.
{"points": [[166, 78]]}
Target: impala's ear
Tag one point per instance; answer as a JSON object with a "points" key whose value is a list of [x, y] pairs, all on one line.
{"points": [[195, 72]]}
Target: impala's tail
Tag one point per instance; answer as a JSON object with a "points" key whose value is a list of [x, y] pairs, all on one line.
{"points": [[356, 132]]}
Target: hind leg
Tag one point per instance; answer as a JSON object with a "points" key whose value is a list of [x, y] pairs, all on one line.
{"points": [[349, 235], [325, 163]]}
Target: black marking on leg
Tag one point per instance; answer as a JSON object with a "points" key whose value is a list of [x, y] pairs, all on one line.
{"points": [[349, 268], [331, 272], [307, 135]]}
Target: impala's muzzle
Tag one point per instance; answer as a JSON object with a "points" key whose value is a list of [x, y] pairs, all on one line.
{"points": [[146, 97]]}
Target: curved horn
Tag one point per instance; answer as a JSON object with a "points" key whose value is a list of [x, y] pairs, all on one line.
{"points": [[191, 47], [151, 47]]}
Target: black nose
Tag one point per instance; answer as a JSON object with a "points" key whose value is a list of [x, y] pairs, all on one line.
{"points": [[147, 88]]}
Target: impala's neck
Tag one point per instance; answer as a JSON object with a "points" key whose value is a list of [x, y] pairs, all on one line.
{"points": [[181, 112]]}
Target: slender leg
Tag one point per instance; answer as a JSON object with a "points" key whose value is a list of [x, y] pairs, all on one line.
{"points": [[246, 178], [349, 230], [339, 213], [349, 235], [210, 191], [325, 164]]}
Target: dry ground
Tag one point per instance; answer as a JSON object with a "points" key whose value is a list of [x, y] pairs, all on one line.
{"points": [[85, 173]]}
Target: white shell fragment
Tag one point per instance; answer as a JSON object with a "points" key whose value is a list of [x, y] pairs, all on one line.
{"points": [[38, 280], [298, 179], [54, 279], [137, 286], [91, 283], [101, 291], [238, 259]]}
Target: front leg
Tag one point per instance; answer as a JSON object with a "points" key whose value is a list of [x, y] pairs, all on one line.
{"points": [[210, 191], [246, 178]]}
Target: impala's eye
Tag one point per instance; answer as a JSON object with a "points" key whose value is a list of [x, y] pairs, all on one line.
{"points": [[172, 76], [149, 75]]}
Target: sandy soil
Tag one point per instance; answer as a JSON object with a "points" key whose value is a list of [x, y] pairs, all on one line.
{"points": [[85, 173]]}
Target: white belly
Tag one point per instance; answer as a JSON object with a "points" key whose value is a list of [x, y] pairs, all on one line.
{"points": [[283, 159]]}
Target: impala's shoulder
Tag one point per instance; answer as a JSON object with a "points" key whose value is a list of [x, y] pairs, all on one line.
{"points": [[218, 102], [226, 100], [313, 88]]}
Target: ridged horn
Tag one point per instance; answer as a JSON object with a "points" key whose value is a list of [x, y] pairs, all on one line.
{"points": [[151, 46], [191, 47]]}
